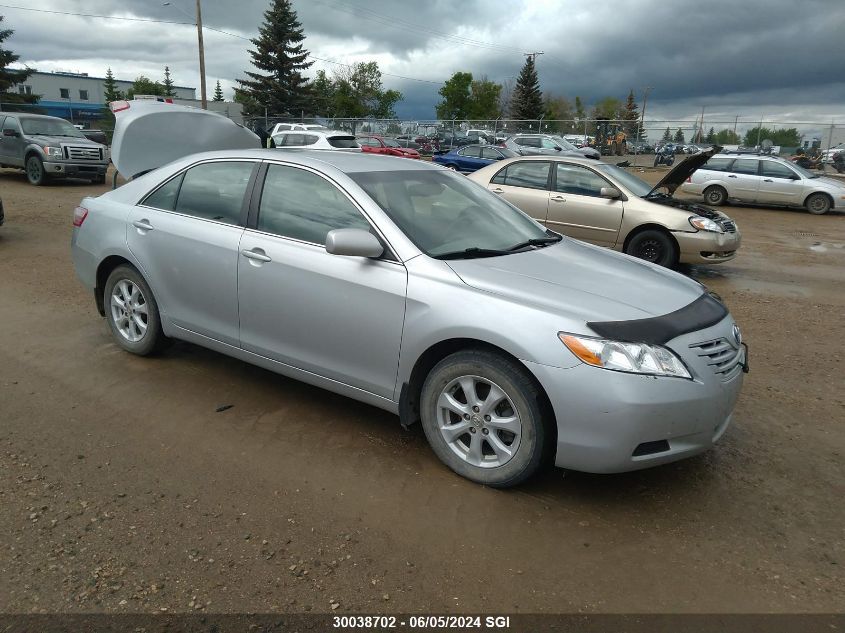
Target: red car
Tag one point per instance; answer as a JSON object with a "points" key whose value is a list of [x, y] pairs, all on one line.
{"points": [[381, 145]]}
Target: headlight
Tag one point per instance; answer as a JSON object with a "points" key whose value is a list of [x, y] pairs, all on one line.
{"points": [[634, 358], [53, 151], [705, 224]]}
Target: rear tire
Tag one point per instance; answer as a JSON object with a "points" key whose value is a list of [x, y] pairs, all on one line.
{"points": [[817, 204], [132, 312], [654, 246], [35, 173], [715, 195], [493, 433]]}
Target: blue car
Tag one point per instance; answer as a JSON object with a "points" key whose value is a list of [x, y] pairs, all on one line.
{"points": [[469, 158]]}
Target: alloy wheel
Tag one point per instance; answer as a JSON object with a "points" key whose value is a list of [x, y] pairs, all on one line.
{"points": [[129, 310], [478, 421], [34, 170]]}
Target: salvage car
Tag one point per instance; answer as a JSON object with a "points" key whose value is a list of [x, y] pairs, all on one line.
{"points": [[608, 206], [469, 158], [317, 139], [373, 144], [766, 180], [406, 286]]}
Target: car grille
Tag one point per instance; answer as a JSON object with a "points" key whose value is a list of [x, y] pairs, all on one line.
{"points": [[83, 153], [722, 356], [728, 226]]}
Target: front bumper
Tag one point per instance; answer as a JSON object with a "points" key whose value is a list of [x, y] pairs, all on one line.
{"points": [[705, 247], [609, 422], [75, 170]]}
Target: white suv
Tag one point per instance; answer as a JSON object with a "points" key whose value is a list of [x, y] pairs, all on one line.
{"points": [[298, 127], [765, 180], [317, 139]]}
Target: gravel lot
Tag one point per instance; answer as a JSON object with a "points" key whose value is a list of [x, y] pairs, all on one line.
{"points": [[123, 489]]}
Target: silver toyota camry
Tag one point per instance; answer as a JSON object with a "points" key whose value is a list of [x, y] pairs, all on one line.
{"points": [[405, 285]]}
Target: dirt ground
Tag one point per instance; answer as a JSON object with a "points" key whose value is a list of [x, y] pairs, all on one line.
{"points": [[123, 489]]}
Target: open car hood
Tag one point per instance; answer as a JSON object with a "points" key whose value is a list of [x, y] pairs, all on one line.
{"points": [[683, 170], [149, 134]]}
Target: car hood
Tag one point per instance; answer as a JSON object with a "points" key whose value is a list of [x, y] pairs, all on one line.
{"points": [[582, 282], [44, 139], [690, 206], [149, 134], [683, 170]]}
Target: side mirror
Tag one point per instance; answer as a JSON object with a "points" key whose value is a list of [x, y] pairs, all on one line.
{"points": [[610, 192], [8, 132], [353, 243], [557, 149]]}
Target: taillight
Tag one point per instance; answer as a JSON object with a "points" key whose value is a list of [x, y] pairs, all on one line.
{"points": [[79, 215], [117, 106], [689, 178]]}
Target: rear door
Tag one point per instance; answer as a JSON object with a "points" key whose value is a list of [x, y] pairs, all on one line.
{"points": [[577, 209], [780, 184], [337, 317], [185, 235], [525, 184], [11, 142], [743, 181], [470, 159]]}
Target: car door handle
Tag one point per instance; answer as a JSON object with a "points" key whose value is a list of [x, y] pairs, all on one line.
{"points": [[767, 180], [558, 199], [257, 255], [143, 225], [497, 190], [731, 176]]}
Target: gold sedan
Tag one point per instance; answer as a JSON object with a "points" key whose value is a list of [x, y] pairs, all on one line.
{"points": [[606, 205]]}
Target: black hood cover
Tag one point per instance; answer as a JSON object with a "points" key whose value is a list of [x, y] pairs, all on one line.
{"points": [[683, 170]]}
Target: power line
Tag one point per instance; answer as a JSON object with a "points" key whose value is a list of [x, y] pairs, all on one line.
{"points": [[205, 27]]}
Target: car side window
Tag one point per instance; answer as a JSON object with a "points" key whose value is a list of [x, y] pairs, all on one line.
{"points": [[301, 205], [164, 197], [309, 139], [718, 164], [528, 174], [745, 166], [215, 191], [578, 180], [368, 142], [11, 123], [490, 153], [549, 144], [293, 140], [471, 152], [771, 169]]}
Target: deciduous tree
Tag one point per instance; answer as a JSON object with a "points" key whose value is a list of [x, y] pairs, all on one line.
{"points": [[145, 86], [455, 97]]}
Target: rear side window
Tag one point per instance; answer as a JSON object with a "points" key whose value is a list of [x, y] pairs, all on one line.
{"points": [[165, 196], [309, 139], [214, 191], [745, 166], [292, 140], [529, 142], [11, 123], [529, 174], [772, 169], [718, 164], [490, 153], [343, 141], [301, 205]]}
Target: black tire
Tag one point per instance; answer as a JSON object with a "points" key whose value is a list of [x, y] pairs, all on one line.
{"points": [[817, 204], [656, 160], [153, 339], [521, 391], [35, 173], [623, 148], [715, 195], [654, 246]]}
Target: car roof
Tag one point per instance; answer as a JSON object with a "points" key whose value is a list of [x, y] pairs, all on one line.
{"points": [[347, 162], [323, 133]]}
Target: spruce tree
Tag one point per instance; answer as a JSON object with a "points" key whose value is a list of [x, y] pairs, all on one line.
{"points": [[168, 84], [667, 135], [580, 113], [278, 52], [10, 78], [631, 115], [110, 91], [218, 92], [527, 100], [679, 136]]}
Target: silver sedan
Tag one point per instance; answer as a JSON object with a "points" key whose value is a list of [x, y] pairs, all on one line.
{"points": [[407, 286]]}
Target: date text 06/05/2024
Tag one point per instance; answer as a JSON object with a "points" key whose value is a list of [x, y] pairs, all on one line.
{"points": [[421, 621]]}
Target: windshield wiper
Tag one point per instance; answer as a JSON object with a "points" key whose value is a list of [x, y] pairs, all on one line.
{"points": [[471, 253], [536, 241]]}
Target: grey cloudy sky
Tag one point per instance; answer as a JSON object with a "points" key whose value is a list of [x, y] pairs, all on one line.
{"points": [[778, 58]]}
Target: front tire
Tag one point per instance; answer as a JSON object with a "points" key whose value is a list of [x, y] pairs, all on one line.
{"points": [[817, 204], [132, 312], [715, 196], [482, 415], [35, 173], [654, 246]]}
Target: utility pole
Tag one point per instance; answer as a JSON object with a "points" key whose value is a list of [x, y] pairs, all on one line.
{"points": [[701, 126], [202, 57], [641, 126], [533, 55]]}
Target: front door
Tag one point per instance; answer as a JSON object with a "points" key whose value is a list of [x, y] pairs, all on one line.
{"points": [[577, 209], [525, 184], [185, 236], [337, 317], [780, 184]]}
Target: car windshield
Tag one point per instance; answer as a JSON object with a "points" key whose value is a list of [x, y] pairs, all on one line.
{"points": [[445, 213], [564, 143], [49, 127], [633, 184], [804, 173]]}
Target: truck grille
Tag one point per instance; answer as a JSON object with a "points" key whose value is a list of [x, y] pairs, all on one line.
{"points": [[721, 355], [83, 153], [728, 226]]}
